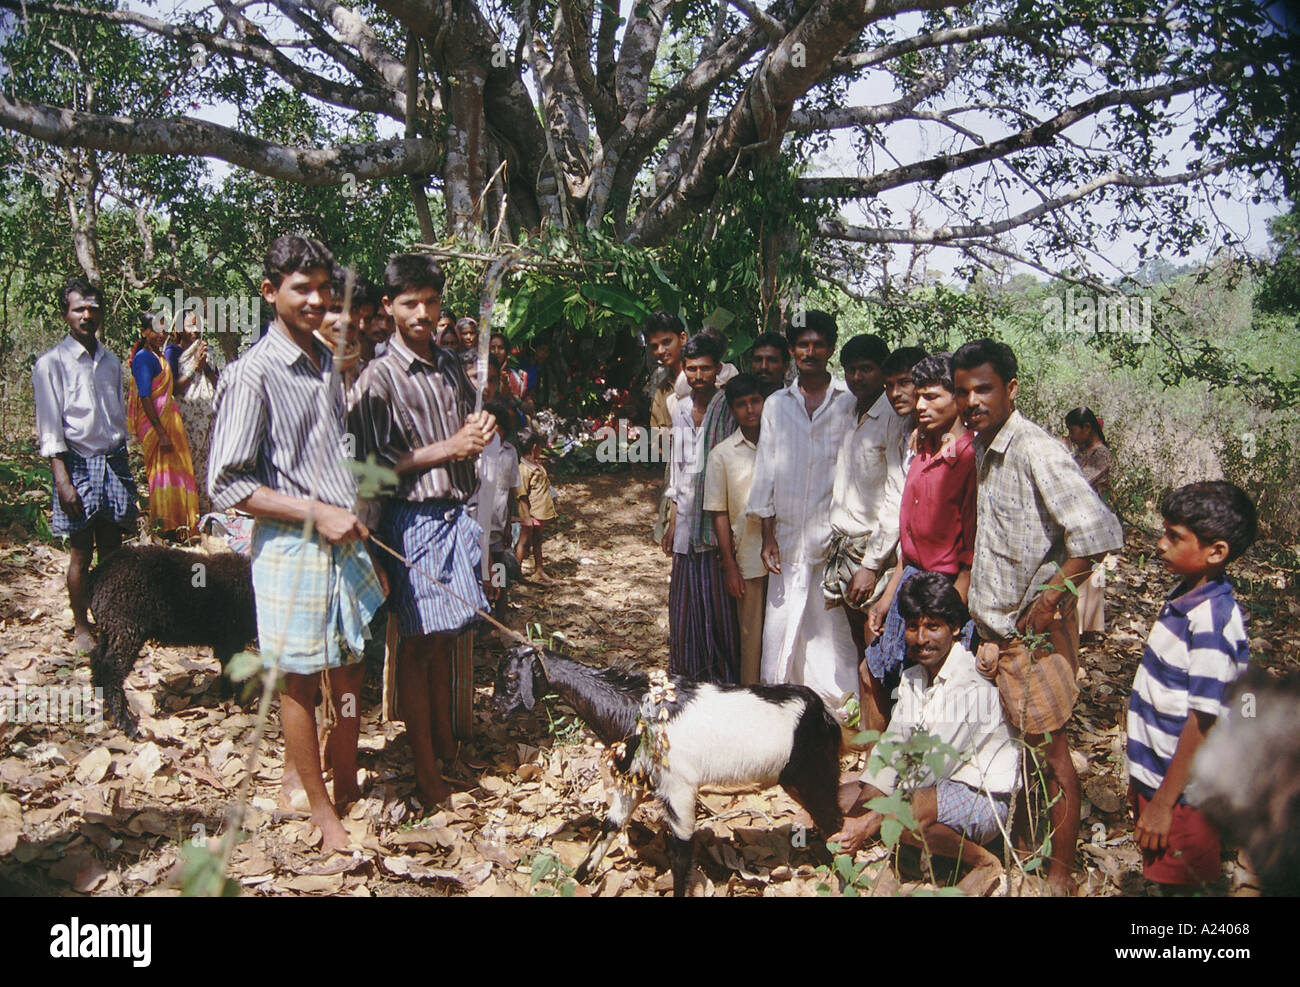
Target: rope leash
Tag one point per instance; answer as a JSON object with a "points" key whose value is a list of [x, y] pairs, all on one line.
{"points": [[514, 635]]}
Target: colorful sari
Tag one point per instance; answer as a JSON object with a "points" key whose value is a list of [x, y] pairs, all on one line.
{"points": [[196, 412], [173, 497]]}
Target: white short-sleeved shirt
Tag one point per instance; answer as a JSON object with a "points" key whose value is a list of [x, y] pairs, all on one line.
{"points": [[79, 402]]}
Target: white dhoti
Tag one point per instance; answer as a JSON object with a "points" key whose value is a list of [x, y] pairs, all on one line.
{"points": [[803, 642]]}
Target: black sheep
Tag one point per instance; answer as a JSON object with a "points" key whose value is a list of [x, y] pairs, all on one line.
{"points": [[169, 596]]}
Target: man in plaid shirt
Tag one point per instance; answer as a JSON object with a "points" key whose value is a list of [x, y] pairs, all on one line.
{"points": [[1039, 529]]}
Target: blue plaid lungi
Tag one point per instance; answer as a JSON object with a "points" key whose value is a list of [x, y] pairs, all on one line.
{"points": [[971, 812], [439, 538], [314, 600], [106, 489]]}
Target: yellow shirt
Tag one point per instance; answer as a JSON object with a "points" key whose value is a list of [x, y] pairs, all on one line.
{"points": [[536, 486], [726, 488]]}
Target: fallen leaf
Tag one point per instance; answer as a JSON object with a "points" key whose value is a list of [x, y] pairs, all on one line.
{"points": [[91, 769], [147, 763], [11, 823]]}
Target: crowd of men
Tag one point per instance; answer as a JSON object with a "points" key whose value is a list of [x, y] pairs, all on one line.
{"points": [[905, 536]]}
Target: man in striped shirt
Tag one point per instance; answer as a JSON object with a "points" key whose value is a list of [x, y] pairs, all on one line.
{"points": [[1197, 648], [277, 453], [415, 413]]}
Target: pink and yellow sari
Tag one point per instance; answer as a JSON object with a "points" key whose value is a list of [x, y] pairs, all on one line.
{"points": [[173, 497]]}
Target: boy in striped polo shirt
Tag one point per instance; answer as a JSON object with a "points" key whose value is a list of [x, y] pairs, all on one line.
{"points": [[1196, 649]]}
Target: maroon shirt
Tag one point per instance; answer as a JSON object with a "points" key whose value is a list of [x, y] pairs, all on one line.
{"points": [[937, 516]]}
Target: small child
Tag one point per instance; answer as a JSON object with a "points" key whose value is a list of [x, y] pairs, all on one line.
{"points": [[1196, 649], [727, 479], [533, 494]]}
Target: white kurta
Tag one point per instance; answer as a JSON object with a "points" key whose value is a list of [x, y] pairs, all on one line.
{"points": [[794, 470]]}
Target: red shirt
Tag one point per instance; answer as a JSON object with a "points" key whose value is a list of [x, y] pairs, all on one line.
{"points": [[936, 523]]}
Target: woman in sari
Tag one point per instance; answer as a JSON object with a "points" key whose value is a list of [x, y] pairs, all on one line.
{"points": [[194, 389], [156, 423]]}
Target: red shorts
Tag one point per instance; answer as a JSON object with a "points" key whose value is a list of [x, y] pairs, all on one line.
{"points": [[1192, 854]]}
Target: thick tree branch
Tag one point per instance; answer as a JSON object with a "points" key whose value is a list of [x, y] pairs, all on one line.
{"points": [[759, 119], [183, 135]]}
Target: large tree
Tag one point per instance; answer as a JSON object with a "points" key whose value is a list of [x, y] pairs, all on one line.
{"points": [[1064, 122]]}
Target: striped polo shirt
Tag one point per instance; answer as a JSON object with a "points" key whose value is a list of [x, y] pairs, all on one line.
{"points": [[1197, 648], [278, 422]]}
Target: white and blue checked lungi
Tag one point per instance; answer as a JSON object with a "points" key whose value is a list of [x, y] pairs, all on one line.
{"points": [[106, 489], [314, 600], [440, 538], [971, 812]]}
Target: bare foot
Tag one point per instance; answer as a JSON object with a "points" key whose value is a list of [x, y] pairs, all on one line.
{"points": [[345, 794], [292, 794], [982, 880], [432, 795], [541, 577], [83, 640], [333, 835], [1062, 885]]}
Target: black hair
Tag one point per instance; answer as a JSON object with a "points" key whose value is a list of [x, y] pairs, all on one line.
{"points": [[366, 292], [822, 323], [498, 334], [661, 322], [902, 360], [700, 345], [740, 386], [504, 416], [864, 347], [1082, 416], [934, 369], [978, 352], [932, 594], [773, 340], [363, 291], [406, 271], [81, 287], [292, 253], [528, 437], [718, 335], [147, 319], [449, 315], [1214, 510], [462, 323]]}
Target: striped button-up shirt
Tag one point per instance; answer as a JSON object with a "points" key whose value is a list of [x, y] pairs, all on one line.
{"points": [[794, 469], [279, 424], [1034, 510], [408, 402]]}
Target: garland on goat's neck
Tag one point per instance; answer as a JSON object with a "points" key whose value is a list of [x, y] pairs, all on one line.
{"points": [[653, 734]]}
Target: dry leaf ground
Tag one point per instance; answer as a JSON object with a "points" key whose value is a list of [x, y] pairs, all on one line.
{"points": [[95, 813]]}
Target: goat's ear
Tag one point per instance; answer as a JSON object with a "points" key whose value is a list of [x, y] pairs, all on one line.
{"points": [[528, 674]]}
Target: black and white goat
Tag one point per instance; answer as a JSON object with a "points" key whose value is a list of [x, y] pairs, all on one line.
{"points": [[715, 735]]}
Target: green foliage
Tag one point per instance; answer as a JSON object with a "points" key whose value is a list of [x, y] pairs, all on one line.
{"points": [[549, 878], [25, 485], [201, 875]]}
